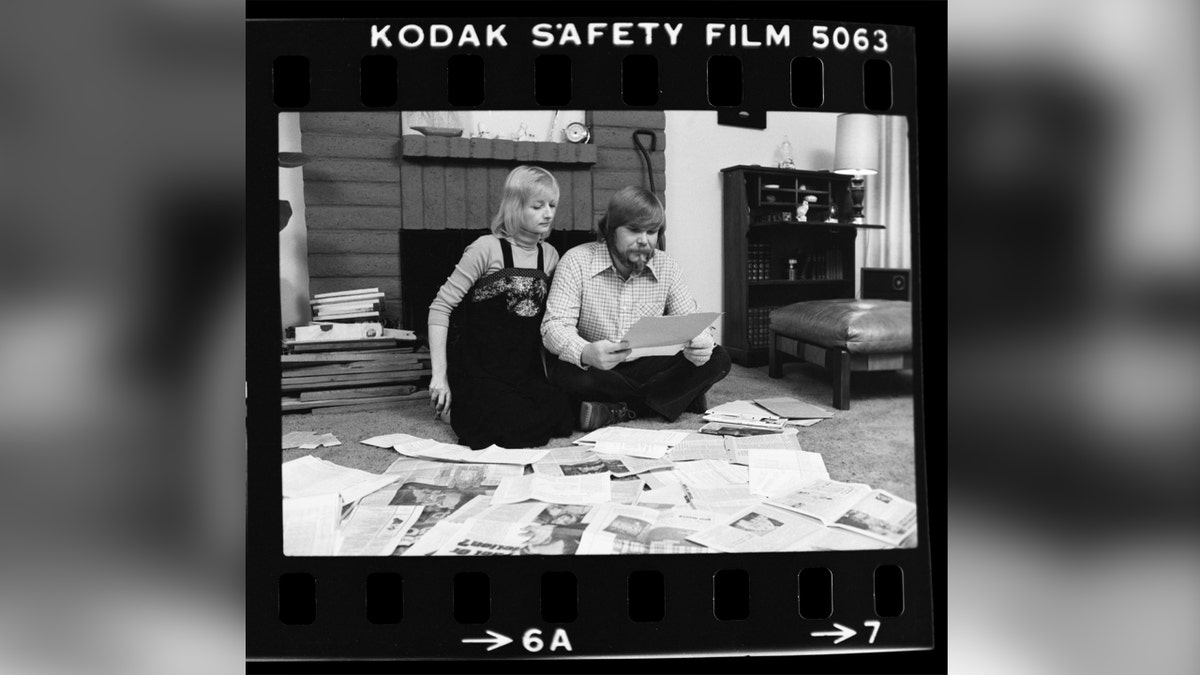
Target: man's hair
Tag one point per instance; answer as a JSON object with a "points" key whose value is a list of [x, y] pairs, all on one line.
{"points": [[632, 206], [523, 185]]}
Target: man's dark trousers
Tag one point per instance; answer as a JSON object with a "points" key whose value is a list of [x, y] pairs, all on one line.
{"points": [[665, 384]]}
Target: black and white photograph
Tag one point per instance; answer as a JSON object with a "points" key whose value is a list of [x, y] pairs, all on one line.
{"points": [[662, 317]]}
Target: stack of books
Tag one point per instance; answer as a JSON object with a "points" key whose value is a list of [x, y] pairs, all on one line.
{"points": [[354, 374], [357, 304]]}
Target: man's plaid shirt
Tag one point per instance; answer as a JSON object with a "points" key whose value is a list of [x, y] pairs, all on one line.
{"points": [[589, 300]]}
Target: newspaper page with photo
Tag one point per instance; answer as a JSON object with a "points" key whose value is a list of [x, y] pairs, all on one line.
{"points": [[621, 466], [499, 530], [464, 475], [617, 529], [878, 514], [759, 528], [438, 502], [376, 526], [572, 461]]}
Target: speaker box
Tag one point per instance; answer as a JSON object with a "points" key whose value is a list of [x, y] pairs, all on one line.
{"points": [[883, 283]]}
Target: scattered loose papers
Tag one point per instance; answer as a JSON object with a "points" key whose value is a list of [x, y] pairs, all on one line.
{"points": [[618, 490]]}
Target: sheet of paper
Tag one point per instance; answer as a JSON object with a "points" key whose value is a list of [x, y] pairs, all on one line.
{"points": [[389, 440], [668, 331], [464, 475], [725, 499], [497, 455], [626, 491], [835, 539], [308, 476], [774, 473], [747, 409], [408, 465], [656, 480], [793, 408], [699, 446], [376, 530], [822, 498], [787, 440], [620, 466], [587, 489], [634, 436], [432, 539], [881, 515], [572, 461], [674, 495], [707, 473], [308, 440], [310, 525], [644, 450]]}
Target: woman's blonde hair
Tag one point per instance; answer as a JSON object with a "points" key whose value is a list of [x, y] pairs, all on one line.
{"points": [[523, 185]]}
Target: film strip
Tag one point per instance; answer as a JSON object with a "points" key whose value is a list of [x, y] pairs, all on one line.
{"points": [[764, 97]]}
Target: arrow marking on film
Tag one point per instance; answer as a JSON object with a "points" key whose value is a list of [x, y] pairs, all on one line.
{"points": [[843, 631], [497, 640]]}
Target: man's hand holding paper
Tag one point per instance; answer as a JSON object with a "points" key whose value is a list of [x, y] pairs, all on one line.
{"points": [[699, 350]]}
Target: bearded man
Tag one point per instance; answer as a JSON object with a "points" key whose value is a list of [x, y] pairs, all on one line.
{"points": [[599, 291]]}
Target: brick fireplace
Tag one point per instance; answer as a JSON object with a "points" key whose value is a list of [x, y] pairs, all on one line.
{"points": [[395, 212]]}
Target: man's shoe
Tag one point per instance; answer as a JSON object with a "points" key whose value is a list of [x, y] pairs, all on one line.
{"points": [[596, 414], [699, 405]]}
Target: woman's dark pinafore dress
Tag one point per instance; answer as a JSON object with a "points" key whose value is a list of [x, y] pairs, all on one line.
{"points": [[498, 383]]}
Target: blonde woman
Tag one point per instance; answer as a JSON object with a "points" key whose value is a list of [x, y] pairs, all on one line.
{"points": [[484, 326]]}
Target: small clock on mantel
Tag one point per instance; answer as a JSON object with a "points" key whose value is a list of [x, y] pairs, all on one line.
{"points": [[576, 132]]}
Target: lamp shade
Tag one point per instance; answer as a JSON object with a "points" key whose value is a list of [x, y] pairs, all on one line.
{"points": [[857, 147]]}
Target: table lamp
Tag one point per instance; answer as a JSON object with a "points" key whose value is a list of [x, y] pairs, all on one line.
{"points": [[856, 153]]}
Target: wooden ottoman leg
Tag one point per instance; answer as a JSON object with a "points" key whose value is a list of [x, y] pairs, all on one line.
{"points": [[838, 363], [774, 367]]}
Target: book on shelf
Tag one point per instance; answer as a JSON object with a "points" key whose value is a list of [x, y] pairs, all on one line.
{"points": [[339, 294], [343, 317], [348, 307]]}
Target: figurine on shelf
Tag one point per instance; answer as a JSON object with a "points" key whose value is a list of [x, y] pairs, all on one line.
{"points": [[802, 207], [483, 132], [523, 133]]}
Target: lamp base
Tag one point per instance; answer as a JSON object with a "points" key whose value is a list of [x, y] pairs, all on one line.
{"points": [[856, 199]]}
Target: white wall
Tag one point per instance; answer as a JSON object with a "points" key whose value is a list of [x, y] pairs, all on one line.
{"points": [[293, 240], [697, 150]]}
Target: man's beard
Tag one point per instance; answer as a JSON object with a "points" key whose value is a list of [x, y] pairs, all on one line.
{"points": [[633, 257]]}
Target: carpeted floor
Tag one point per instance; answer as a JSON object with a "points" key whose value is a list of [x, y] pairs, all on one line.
{"points": [[871, 443]]}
